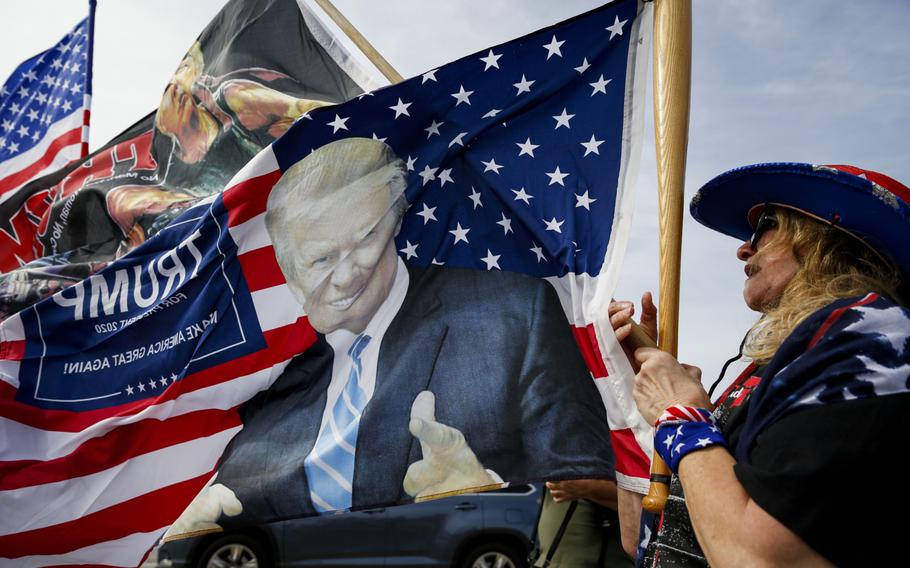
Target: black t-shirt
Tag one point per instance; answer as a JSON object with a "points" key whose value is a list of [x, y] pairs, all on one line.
{"points": [[837, 484]]}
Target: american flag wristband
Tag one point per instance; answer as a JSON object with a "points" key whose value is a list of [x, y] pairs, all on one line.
{"points": [[678, 413], [674, 441]]}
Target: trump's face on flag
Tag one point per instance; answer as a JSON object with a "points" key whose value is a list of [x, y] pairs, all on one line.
{"points": [[333, 218]]}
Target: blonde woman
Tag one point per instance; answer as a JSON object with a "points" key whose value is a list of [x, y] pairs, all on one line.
{"points": [[792, 465]]}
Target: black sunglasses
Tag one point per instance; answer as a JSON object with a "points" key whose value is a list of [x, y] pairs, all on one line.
{"points": [[766, 221]]}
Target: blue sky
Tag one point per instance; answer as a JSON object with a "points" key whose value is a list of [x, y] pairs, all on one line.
{"points": [[773, 80]]}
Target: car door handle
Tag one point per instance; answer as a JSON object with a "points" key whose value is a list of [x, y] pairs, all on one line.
{"points": [[465, 507]]}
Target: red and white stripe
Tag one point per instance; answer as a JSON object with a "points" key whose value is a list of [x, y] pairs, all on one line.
{"points": [[679, 413], [66, 140], [101, 487], [585, 299]]}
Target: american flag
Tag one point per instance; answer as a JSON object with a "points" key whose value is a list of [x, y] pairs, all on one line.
{"points": [[44, 110], [521, 158], [119, 394]]}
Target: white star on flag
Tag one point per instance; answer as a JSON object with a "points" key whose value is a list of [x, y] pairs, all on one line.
{"points": [[492, 260], [554, 225], [600, 86], [445, 176], [129, 390], [491, 60], [584, 66], [462, 96], [401, 108], [523, 86], [427, 214], [702, 442], [458, 139], [616, 28], [409, 250], [538, 252], [491, 166], [556, 176], [669, 441], [527, 148], [461, 234], [492, 113], [433, 128], [592, 145], [553, 47], [428, 174], [584, 200], [338, 124], [429, 76], [522, 195], [563, 119], [505, 223], [475, 197], [410, 164]]}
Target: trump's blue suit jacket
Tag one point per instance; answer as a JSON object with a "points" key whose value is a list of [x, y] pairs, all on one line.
{"points": [[496, 350]]}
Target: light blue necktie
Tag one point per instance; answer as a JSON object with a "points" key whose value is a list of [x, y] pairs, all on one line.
{"points": [[330, 466]]}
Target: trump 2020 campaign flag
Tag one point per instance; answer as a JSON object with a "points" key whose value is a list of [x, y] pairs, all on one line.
{"points": [[44, 110], [402, 298], [453, 241]]}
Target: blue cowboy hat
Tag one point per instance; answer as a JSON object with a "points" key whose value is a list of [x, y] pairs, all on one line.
{"points": [[868, 205]]}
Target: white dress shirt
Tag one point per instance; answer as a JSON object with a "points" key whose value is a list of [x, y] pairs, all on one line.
{"points": [[342, 339]]}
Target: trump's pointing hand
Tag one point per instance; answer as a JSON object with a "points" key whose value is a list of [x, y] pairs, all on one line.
{"points": [[448, 462], [205, 509]]}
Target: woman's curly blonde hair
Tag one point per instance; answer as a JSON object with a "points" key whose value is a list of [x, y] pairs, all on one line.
{"points": [[833, 265]]}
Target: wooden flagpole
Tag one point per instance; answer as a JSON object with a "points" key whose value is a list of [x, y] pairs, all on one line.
{"points": [[375, 58], [672, 71]]}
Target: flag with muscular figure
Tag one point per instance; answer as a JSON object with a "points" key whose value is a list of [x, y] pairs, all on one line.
{"points": [[257, 67], [402, 298]]}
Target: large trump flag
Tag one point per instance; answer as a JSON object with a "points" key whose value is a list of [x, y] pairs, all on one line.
{"points": [[403, 297]]}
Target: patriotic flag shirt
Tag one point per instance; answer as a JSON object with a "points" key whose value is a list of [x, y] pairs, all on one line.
{"points": [[814, 432]]}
